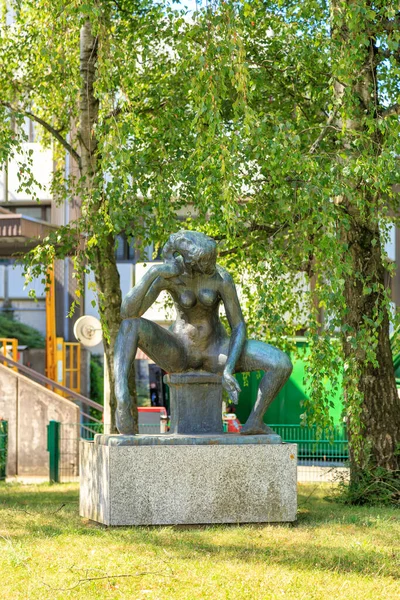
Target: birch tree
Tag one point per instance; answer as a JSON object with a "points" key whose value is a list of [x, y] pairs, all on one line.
{"points": [[119, 86], [96, 79], [314, 199]]}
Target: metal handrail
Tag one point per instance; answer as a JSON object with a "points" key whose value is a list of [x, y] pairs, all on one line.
{"points": [[73, 396], [83, 414]]}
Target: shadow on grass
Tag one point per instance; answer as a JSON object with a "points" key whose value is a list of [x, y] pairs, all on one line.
{"points": [[300, 557], [48, 512], [255, 548]]}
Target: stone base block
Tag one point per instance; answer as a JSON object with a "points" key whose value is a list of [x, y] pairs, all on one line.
{"points": [[188, 484], [195, 402]]}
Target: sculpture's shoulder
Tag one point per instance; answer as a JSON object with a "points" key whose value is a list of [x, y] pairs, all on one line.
{"points": [[225, 276]]}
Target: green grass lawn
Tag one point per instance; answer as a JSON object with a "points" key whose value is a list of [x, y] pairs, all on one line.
{"points": [[332, 552]]}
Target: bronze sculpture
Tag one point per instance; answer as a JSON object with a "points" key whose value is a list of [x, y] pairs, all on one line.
{"points": [[197, 340]]}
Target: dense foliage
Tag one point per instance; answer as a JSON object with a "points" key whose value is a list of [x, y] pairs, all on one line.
{"points": [[312, 196], [96, 378], [373, 486]]}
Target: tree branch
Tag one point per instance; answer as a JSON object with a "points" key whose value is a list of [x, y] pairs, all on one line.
{"points": [[391, 110], [390, 25], [125, 110], [323, 133], [270, 232], [108, 577], [122, 10], [48, 128]]}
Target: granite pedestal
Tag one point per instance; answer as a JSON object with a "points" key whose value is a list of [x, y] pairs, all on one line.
{"points": [[196, 474], [190, 479]]}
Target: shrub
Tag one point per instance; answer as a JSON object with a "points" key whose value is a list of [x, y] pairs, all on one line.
{"points": [[25, 334]]}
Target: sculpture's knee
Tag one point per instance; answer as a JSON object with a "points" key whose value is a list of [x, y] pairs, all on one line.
{"points": [[285, 366], [281, 367], [129, 324]]}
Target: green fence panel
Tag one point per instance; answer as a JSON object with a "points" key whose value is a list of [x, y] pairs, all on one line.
{"points": [[53, 447], [3, 449], [329, 446], [89, 430]]}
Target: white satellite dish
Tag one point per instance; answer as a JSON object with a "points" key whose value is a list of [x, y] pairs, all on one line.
{"points": [[87, 331]]}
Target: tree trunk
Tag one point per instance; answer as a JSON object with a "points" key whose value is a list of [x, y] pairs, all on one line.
{"points": [[109, 294], [374, 425], [378, 420], [103, 260]]}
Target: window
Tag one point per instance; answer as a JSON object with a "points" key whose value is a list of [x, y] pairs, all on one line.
{"points": [[130, 250], [124, 249], [29, 129], [36, 211]]}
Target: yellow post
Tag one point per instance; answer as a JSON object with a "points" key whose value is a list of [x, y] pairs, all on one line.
{"points": [[51, 326], [78, 366], [14, 344], [72, 366], [9, 348]]}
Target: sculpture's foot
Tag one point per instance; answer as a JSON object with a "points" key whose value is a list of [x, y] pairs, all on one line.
{"points": [[256, 428], [124, 421]]}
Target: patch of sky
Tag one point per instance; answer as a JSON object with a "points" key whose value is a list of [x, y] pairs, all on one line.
{"points": [[190, 5]]}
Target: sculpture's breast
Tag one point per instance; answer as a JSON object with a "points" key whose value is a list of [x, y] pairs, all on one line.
{"points": [[187, 299], [208, 297]]}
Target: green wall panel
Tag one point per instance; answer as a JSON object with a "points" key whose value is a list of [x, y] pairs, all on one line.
{"points": [[287, 406]]}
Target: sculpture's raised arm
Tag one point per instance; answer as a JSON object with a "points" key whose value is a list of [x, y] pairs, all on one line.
{"points": [[146, 292]]}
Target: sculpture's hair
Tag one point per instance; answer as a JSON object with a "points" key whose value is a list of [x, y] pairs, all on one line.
{"points": [[195, 247]]}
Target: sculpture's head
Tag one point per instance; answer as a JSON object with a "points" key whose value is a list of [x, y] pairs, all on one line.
{"points": [[198, 251]]}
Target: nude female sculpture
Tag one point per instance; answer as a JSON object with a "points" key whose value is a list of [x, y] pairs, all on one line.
{"points": [[197, 340]]}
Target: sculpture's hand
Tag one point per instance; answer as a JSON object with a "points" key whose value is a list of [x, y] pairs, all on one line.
{"points": [[231, 385], [169, 269]]}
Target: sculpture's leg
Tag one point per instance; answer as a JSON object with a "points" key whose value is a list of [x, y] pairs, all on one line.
{"points": [[158, 343], [277, 366], [124, 353]]}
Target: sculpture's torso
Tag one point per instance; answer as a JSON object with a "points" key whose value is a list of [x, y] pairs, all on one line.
{"points": [[197, 300]]}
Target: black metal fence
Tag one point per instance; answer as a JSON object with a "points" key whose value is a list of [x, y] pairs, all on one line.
{"points": [[63, 446]]}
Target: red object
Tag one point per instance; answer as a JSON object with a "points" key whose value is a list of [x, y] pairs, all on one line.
{"points": [[233, 423], [153, 409]]}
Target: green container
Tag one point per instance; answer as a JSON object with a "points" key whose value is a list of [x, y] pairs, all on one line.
{"points": [[53, 447], [3, 449]]}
